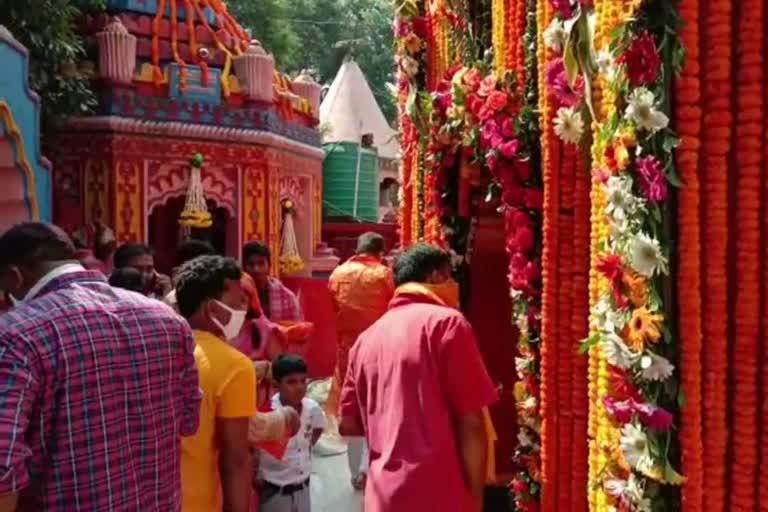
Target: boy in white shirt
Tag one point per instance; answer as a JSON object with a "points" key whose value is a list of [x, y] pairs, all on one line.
{"points": [[284, 484]]}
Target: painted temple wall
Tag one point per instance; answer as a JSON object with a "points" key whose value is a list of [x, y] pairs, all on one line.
{"points": [[121, 179]]}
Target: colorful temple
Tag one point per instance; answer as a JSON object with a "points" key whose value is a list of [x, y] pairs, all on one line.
{"points": [[174, 82]]}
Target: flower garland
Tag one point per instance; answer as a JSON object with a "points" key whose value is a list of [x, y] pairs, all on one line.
{"points": [[746, 314], [633, 167], [715, 146], [411, 33], [689, 298]]}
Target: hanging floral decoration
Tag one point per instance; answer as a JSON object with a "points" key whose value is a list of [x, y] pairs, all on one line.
{"points": [[634, 451], [290, 258], [195, 213]]}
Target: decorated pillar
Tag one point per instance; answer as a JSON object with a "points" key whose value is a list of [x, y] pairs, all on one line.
{"points": [[127, 217], [254, 191]]}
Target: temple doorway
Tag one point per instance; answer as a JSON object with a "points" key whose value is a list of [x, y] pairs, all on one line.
{"points": [[165, 233]]}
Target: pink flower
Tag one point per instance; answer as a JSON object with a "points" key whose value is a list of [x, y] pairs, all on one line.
{"points": [[508, 127], [642, 60], [532, 271], [524, 239], [519, 486], [654, 417], [472, 79], [621, 412], [401, 27], [492, 161], [518, 219], [475, 105], [490, 130], [562, 7], [557, 81], [487, 86], [518, 262], [509, 149], [653, 182]]}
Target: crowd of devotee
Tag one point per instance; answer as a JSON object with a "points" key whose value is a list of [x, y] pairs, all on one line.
{"points": [[123, 389]]}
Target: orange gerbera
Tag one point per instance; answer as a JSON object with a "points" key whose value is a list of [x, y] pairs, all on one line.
{"points": [[643, 327], [637, 288]]}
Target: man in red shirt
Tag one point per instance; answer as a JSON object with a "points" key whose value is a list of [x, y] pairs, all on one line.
{"points": [[416, 387]]}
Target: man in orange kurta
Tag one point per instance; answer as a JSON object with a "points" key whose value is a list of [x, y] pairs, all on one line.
{"points": [[361, 289]]}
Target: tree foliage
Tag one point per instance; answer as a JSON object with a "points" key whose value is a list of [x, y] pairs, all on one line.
{"points": [[318, 34], [47, 29]]}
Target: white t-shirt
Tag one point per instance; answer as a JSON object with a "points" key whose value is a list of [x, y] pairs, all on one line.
{"points": [[296, 465]]}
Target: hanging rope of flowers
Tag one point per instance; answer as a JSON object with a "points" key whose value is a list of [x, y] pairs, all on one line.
{"points": [[748, 143], [195, 213], [688, 121]]}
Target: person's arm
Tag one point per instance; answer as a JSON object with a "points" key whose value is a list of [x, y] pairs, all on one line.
{"points": [[468, 389], [350, 422], [190, 386], [296, 313], [19, 390], [317, 421], [8, 502], [236, 406]]}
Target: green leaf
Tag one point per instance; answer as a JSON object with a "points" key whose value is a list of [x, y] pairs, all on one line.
{"points": [[589, 343], [673, 178], [670, 142], [681, 399]]}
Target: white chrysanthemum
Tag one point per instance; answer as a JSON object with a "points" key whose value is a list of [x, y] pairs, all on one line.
{"points": [[606, 319], [410, 66], [642, 110], [522, 366], [524, 439], [647, 257], [569, 125], [616, 352], [615, 487], [655, 367], [634, 444], [522, 324], [529, 403], [622, 203], [555, 36], [606, 64]]}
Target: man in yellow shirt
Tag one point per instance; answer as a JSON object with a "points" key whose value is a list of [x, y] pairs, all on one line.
{"points": [[215, 463]]}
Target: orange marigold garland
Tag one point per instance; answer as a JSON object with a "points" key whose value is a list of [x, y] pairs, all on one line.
{"points": [[746, 313], [688, 122]]}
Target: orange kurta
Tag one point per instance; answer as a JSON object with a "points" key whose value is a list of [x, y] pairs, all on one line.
{"points": [[361, 289]]}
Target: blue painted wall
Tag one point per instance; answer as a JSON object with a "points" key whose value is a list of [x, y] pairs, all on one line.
{"points": [[15, 91]]}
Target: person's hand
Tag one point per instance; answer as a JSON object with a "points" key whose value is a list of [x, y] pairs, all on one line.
{"points": [[292, 420], [163, 284], [262, 369]]}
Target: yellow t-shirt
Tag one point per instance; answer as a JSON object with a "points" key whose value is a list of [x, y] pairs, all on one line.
{"points": [[228, 383]]}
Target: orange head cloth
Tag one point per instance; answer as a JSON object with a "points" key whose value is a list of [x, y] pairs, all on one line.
{"points": [[253, 295]]}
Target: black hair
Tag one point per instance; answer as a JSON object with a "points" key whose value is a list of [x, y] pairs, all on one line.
{"points": [[370, 243], [256, 249], [127, 252], [192, 249], [288, 364], [31, 244], [417, 263], [201, 279], [128, 279]]}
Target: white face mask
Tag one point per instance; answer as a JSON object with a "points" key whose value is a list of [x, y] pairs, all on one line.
{"points": [[236, 321]]}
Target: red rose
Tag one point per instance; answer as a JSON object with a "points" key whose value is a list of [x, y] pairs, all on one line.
{"points": [[519, 486], [472, 79], [534, 198], [524, 239], [518, 262], [492, 161], [507, 127], [519, 219], [523, 170], [419, 26], [610, 266], [475, 105], [642, 60], [532, 272], [496, 101], [487, 86]]}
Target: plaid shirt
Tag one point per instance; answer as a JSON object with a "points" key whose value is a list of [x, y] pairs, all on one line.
{"points": [[96, 386], [283, 303]]}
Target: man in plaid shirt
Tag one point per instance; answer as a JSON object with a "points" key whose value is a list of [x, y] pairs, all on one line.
{"points": [[278, 302], [97, 385]]}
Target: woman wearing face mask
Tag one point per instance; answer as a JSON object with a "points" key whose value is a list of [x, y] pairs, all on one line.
{"points": [[216, 465]]}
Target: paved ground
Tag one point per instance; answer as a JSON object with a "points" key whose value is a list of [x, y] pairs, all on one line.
{"points": [[331, 482], [331, 485]]}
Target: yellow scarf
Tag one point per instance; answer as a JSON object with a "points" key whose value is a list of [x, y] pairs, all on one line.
{"points": [[444, 294], [447, 294]]}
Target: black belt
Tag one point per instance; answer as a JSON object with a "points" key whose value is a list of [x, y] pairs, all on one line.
{"points": [[287, 490]]}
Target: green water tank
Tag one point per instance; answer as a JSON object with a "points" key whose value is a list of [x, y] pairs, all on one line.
{"points": [[339, 169]]}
